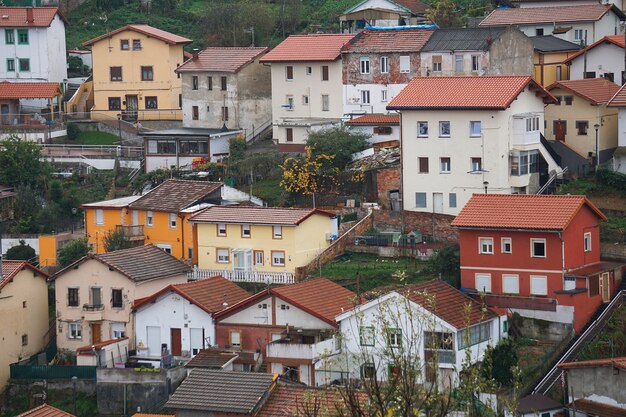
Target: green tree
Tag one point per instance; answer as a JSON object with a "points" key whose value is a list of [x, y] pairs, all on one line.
{"points": [[500, 361], [73, 251], [20, 162], [73, 132], [26, 210], [21, 252], [339, 142], [116, 240], [445, 14], [308, 174], [446, 262], [237, 148]]}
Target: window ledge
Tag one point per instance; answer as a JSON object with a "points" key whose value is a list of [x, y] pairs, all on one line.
{"points": [[571, 292]]}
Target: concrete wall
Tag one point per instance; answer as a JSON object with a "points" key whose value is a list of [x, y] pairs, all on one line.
{"points": [[606, 58], [601, 380], [536, 328], [511, 54], [436, 225]]}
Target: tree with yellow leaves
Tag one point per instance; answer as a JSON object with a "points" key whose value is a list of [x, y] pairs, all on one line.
{"points": [[309, 174]]}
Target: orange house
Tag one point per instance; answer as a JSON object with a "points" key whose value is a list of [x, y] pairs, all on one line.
{"points": [[159, 217]]}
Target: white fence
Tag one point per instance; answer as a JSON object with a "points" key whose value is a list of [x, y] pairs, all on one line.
{"points": [[245, 276]]}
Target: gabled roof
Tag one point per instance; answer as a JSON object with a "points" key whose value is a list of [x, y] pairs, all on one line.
{"points": [[388, 40], [465, 92], [208, 390], [293, 399], [594, 408], [550, 43], [552, 15], [147, 30], [89, 349], [412, 6], [619, 99], [312, 47], [209, 294], [522, 211], [222, 59], [211, 359], [11, 268], [16, 16], [462, 39], [14, 91], [619, 362], [319, 297], [535, 403], [256, 215], [45, 410], [617, 40], [594, 90], [375, 119], [173, 196]]}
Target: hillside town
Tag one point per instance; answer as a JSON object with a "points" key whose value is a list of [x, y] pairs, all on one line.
{"points": [[360, 208]]}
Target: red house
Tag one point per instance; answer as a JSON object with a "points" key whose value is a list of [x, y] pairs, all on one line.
{"points": [[536, 254]]}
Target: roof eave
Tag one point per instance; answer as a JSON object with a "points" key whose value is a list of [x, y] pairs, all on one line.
{"points": [[400, 108]]}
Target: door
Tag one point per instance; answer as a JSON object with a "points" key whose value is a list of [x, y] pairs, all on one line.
{"points": [[438, 202], [132, 105], [96, 297], [176, 342], [394, 200], [242, 260], [135, 214], [153, 336], [559, 130], [96, 333], [4, 110], [195, 340], [606, 290]]}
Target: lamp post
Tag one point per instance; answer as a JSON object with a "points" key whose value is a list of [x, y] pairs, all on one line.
{"points": [[486, 185], [74, 379], [597, 126], [74, 211], [119, 126]]}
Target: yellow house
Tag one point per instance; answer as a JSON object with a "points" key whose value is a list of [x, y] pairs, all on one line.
{"points": [[24, 312], [133, 74], [240, 241], [550, 52], [159, 217]]}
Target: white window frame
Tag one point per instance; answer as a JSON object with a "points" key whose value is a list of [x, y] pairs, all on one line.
{"points": [[222, 255], [579, 34], [325, 102], [173, 221], [221, 229], [474, 167], [405, 64], [503, 242], [445, 166], [277, 232], [364, 65], [116, 333], [441, 130], [365, 97], [149, 218], [232, 340], [475, 63], [99, 217], [482, 288], [532, 248], [384, 65], [165, 247], [75, 330], [259, 257], [538, 285], [510, 283], [246, 231], [309, 70], [474, 123], [383, 95], [587, 242], [458, 58], [289, 106], [419, 129], [437, 65], [274, 257], [484, 243]]}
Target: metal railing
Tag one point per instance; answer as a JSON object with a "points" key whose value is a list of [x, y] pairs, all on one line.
{"points": [[135, 231], [59, 151], [552, 178], [93, 307], [257, 131], [36, 121], [244, 276]]}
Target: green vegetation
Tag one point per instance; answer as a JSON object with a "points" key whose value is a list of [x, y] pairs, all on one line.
{"points": [[97, 138], [73, 132], [19, 402], [268, 191], [21, 252], [116, 240], [611, 342], [73, 251]]}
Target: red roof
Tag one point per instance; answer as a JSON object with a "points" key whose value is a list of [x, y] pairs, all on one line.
{"points": [[594, 363], [16, 16], [11, 268], [88, 349], [295, 400], [222, 59], [522, 211], [465, 92], [619, 99], [316, 47], [553, 15], [14, 91], [388, 41], [255, 215], [45, 410], [209, 294], [146, 30], [593, 408], [594, 90], [617, 40], [376, 119]]}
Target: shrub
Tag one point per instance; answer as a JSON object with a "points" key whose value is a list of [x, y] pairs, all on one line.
{"points": [[73, 132], [612, 179], [21, 252]]}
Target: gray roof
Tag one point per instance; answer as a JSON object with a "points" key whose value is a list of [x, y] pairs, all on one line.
{"points": [[550, 43], [172, 195], [536, 403], [144, 263], [462, 39], [215, 391]]}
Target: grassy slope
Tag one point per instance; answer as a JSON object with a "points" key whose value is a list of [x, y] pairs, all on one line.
{"points": [[97, 138]]}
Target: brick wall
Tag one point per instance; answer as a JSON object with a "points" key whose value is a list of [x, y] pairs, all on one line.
{"points": [[387, 179], [436, 225]]}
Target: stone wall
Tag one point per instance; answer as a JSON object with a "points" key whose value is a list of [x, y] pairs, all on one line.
{"points": [[435, 225], [613, 252], [387, 179]]}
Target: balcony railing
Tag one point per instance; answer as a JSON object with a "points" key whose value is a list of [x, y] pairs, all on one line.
{"points": [[244, 276], [131, 232], [93, 307], [93, 312]]}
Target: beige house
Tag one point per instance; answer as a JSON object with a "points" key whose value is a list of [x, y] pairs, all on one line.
{"points": [[24, 312], [94, 295]]}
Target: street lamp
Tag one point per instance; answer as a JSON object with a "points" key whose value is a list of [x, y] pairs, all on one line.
{"points": [[597, 126], [74, 211], [119, 126], [486, 185]]}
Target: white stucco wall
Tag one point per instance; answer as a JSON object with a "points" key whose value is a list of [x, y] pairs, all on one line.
{"points": [[375, 137], [608, 25], [602, 59], [352, 97]]}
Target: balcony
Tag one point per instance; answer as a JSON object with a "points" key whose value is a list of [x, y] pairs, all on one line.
{"points": [[312, 352], [523, 139], [244, 276], [93, 312], [131, 232]]}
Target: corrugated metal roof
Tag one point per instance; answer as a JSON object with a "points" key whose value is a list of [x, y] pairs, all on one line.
{"points": [[550, 43], [462, 39]]}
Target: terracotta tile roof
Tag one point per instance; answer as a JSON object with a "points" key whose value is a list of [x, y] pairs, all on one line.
{"points": [[376, 119], [316, 47], [173, 196], [594, 90], [16, 16], [209, 294], [388, 41], [522, 211], [488, 92], [617, 40], [211, 359], [11, 268], [619, 99], [255, 215], [45, 410], [14, 91], [552, 15], [293, 400], [448, 303], [593, 408], [145, 30], [619, 362], [222, 59]]}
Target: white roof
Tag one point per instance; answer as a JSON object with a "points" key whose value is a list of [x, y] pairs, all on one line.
{"points": [[116, 202]]}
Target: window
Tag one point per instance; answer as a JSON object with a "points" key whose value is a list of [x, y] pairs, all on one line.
{"points": [[224, 83], [10, 65], [367, 335], [558, 100], [221, 229], [136, 44], [382, 130], [309, 70], [289, 106], [444, 164], [324, 72], [444, 129], [22, 36], [364, 65], [115, 103], [538, 285], [235, 339], [259, 257], [582, 127], [116, 298], [24, 339], [278, 258], [118, 330], [195, 113], [568, 100], [420, 200], [115, 73], [475, 129], [384, 65], [224, 113], [289, 134], [436, 63], [24, 64], [458, 63], [223, 255], [365, 96], [539, 32], [589, 74], [72, 297], [125, 45], [579, 35], [305, 100], [173, 221], [368, 370], [149, 218], [452, 200], [422, 165], [587, 242], [147, 74], [473, 335], [483, 282], [194, 147], [325, 102], [24, 303], [74, 331], [99, 217], [510, 284], [532, 124], [9, 36], [289, 73], [538, 248], [506, 245], [559, 73], [405, 64], [422, 129], [194, 82], [485, 245], [165, 248], [277, 232], [209, 83], [394, 337], [476, 164], [383, 95], [245, 230], [594, 285], [152, 102]]}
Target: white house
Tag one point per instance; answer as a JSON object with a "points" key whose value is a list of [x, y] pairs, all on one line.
{"points": [[384, 129], [417, 326], [604, 58], [584, 23], [180, 317], [462, 135], [382, 13], [619, 156]]}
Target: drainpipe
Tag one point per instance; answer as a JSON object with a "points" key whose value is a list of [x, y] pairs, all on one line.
{"points": [[562, 260]]}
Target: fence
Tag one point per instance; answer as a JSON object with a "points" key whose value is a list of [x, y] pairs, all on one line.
{"points": [[52, 372], [244, 276]]}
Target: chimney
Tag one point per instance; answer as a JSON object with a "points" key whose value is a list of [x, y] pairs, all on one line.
{"points": [[195, 53], [29, 15]]}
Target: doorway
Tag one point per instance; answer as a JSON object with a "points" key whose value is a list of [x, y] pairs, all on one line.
{"points": [[438, 202], [96, 333], [606, 290], [176, 341], [560, 129], [132, 105]]}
